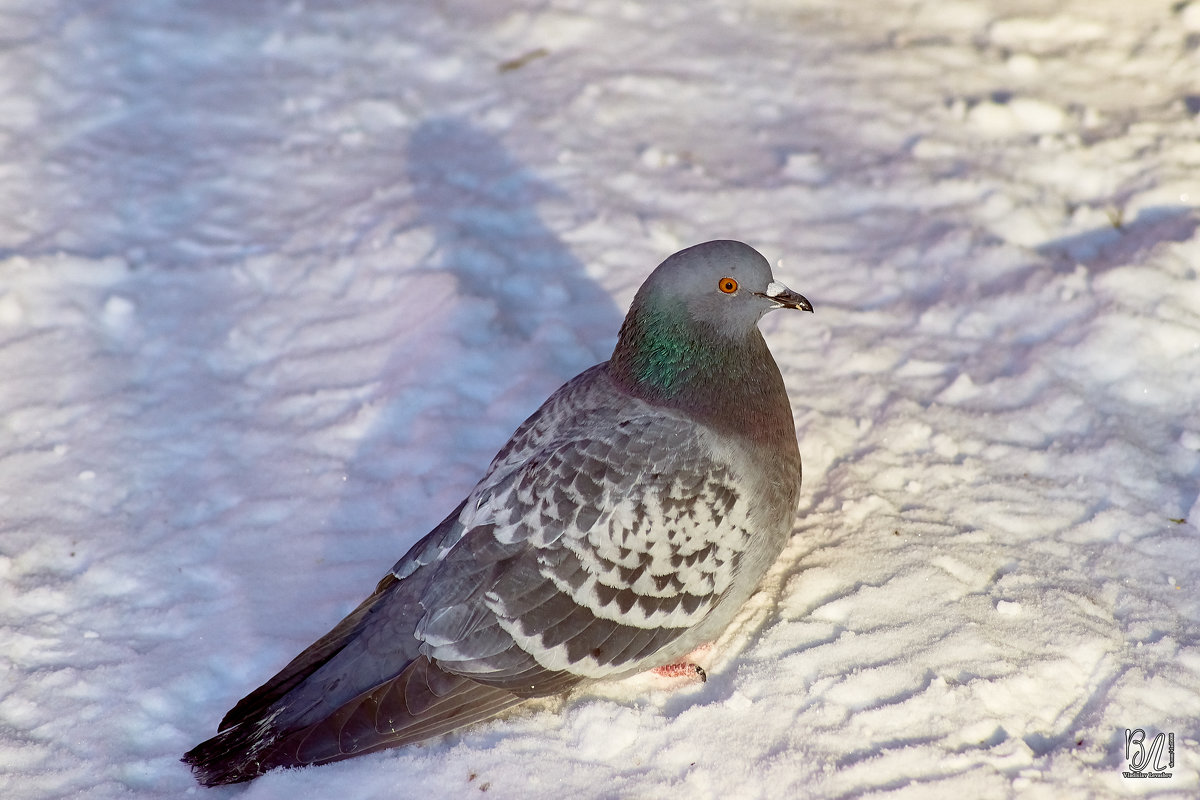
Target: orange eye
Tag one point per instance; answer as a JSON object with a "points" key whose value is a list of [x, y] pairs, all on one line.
{"points": [[727, 285]]}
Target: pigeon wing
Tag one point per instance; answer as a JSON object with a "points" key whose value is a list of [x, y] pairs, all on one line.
{"points": [[606, 547]]}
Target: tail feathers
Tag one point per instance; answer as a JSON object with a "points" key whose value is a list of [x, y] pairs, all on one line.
{"points": [[315, 656], [421, 702], [390, 613]]}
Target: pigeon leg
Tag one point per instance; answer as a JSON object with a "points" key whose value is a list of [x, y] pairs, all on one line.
{"points": [[686, 667], [682, 669]]}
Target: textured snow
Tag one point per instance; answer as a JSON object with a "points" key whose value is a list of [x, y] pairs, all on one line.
{"points": [[278, 278]]}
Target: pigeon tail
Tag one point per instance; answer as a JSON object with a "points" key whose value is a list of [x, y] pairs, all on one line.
{"points": [[423, 701], [339, 698], [257, 704]]}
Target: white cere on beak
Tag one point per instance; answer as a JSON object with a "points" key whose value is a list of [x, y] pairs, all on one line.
{"points": [[775, 288]]}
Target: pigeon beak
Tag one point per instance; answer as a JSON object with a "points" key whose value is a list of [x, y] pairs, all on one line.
{"points": [[783, 297]]}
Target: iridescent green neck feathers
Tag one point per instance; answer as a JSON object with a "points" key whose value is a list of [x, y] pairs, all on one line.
{"points": [[659, 350], [731, 383]]}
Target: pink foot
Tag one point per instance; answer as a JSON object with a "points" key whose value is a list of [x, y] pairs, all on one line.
{"points": [[684, 669]]}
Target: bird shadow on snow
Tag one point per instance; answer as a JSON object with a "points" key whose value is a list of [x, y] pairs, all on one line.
{"points": [[523, 318]]}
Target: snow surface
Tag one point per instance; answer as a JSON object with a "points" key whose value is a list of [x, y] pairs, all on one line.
{"points": [[278, 278]]}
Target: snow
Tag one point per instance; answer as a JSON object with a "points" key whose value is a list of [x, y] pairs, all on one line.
{"points": [[278, 278]]}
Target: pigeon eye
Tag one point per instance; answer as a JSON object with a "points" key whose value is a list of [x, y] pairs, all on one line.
{"points": [[727, 285]]}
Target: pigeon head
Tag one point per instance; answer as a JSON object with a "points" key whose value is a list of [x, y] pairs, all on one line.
{"points": [[692, 327], [724, 285]]}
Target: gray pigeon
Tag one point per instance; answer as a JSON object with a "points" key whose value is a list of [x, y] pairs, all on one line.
{"points": [[620, 528]]}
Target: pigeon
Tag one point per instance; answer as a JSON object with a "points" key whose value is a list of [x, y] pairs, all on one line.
{"points": [[620, 529]]}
